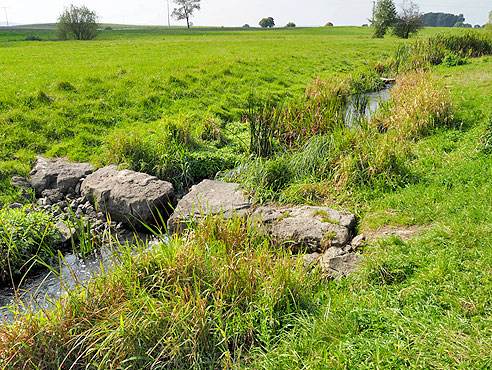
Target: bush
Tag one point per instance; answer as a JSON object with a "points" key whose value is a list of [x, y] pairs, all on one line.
{"points": [[25, 236], [79, 23], [452, 60], [290, 25]]}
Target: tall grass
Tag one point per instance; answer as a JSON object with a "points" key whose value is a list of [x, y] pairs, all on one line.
{"points": [[26, 235], [319, 112], [418, 105], [373, 154], [201, 301], [426, 52]]}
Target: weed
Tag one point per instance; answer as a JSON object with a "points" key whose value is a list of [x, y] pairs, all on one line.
{"points": [[25, 235], [325, 217], [453, 60]]}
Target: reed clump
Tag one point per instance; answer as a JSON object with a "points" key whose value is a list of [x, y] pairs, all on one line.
{"points": [[418, 105]]}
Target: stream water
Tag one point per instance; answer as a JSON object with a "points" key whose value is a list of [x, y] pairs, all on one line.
{"points": [[42, 288], [365, 105]]}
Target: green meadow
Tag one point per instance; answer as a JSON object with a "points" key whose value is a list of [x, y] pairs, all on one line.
{"points": [[70, 98], [185, 105]]}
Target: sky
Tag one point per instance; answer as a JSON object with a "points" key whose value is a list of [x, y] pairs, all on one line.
{"points": [[233, 12]]}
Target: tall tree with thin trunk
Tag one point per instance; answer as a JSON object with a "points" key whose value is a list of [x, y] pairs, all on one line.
{"points": [[185, 9], [383, 17], [408, 20]]}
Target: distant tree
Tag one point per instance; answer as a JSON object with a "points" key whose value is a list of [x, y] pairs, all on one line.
{"points": [[246, 25], [185, 9], [329, 24], [441, 19], [365, 25], [383, 17], [477, 26], [488, 26], [407, 21], [78, 23], [267, 22], [290, 24]]}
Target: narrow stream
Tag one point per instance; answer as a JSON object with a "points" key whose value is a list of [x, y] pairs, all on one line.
{"points": [[42, 288], [365, 105]]}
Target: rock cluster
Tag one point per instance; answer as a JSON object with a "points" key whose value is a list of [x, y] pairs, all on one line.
{"points": [[107, 198], [324, 234]]}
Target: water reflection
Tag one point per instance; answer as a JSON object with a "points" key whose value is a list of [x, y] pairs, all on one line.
{"points": [[363, 106], [40, 290]]}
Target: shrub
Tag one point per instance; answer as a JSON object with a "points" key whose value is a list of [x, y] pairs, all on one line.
{"points": [[452, 60], [79, 23], [25, 236]]}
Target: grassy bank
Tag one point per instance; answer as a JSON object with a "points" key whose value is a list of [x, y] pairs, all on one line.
{"points": [[224, 296]]}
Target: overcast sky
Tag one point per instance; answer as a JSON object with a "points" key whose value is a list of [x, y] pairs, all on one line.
{"points": [[234, 12]]}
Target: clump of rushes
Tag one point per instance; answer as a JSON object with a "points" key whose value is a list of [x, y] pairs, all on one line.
{"points": [[25, 237], [263, 119], [319, 112], [201, 301], [418, 105]]}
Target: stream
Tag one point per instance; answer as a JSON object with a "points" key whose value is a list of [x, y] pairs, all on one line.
{"points": [[40, 289], [365, 105]]}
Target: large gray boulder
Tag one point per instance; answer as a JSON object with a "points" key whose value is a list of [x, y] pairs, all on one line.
{"points": [[128, 196], [58, 174], [306, 228], [208, 198]]}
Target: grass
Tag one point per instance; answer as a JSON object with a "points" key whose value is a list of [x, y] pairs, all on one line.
{"points": [[138, 78], [223, 296], [194, 302]]}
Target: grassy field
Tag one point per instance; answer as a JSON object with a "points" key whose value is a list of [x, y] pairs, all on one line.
{"points": [[224, 296], [70, 98]]}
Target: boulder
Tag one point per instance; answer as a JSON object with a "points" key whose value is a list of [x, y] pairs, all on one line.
{"points": [[58, 174], [207, 198], [18, 181], [128, 196], [306, 228], [337, 266]]}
